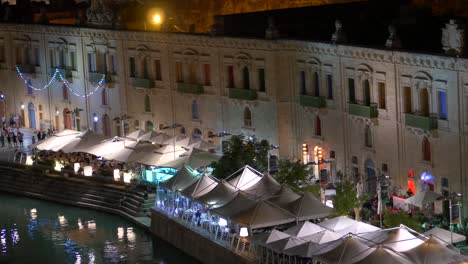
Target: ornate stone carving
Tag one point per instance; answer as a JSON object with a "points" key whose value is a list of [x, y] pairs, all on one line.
{"points": [[271, 32], [339, 35], [453, 36], [99, 14], [393, 41]]}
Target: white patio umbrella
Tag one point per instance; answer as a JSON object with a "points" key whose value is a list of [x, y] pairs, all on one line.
{"points": [[57, 140], [423, 198], [265, 238], [109, 146], [322, 237], [82, 142], [135, 134], [434, 252], [338, 223], [150, 136], [160, 138], [304, 229], [179, 140], [381, 255], [401, 240], [358, 228], [445, 236], [159, 157], [201, 144]]}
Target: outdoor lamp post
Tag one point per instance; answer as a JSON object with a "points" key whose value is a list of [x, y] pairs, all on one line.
{"points": [[243, 233], [222, 223]]}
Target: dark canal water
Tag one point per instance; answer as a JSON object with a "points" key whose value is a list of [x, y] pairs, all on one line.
{"points": [[34, 231]]}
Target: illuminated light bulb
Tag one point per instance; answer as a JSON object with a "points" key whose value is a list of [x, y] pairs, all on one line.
{"points": [[243, 232]]}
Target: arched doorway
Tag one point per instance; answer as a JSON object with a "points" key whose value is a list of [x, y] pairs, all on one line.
{"points": [[318, 157], [32, 116], [149, 126], [106, 125], [424, 101], [371, 177], [67, 121], [367, 95], [196, 134]]}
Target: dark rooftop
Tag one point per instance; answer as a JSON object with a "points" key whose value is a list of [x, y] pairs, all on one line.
{"points": [[364, 23]]}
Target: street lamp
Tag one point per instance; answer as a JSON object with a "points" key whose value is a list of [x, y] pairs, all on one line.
{"points": [[454, 196], [155, 17]]}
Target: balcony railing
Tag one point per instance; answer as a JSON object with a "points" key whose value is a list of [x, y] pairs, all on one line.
{"points": [[312, 101], [367, 111], [65, 72], [95, 77], [27, 68], [243, 94], [142, 83], [190, 88], [420, 121]]}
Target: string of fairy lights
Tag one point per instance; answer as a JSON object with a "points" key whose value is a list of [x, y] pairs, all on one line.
{"points": [[59, 76]]}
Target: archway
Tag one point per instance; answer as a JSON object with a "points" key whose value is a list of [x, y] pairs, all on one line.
{"points": [[32, 116], [149, 126], [196, 134], [367, 95], [371, 177], [424, 101], [67, 121], [106, 125]]}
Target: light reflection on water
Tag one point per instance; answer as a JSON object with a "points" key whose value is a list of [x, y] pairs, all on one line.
{"points": [[51, 233]]}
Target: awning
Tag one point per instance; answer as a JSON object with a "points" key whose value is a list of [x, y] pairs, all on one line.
{"points": [[351, 250], [445, 236], [264, 214], [304, 229], [58, 140], [434, 252], [244, 178], [181, 180], [338, 223], [308, 207]]}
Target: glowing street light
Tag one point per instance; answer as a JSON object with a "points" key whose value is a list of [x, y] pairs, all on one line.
{"points": [[157, 19]]}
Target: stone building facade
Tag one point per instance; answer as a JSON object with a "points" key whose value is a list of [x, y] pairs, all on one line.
{"points": [[361, 112]]}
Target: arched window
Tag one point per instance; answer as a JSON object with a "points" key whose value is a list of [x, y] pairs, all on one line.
{"points": [[197, 134], [318, 126], [424, 102], [149, 126], [368, 137], [182, 130], [367, 96], [195, 114], [426, 149], [316, 85], [136, 123], [355, 169], [106, 125], [104, 96], [245, 78], [147, 103], [247, 117]]}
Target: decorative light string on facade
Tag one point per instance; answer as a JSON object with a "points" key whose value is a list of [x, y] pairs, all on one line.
{"points": [[57, 72]]}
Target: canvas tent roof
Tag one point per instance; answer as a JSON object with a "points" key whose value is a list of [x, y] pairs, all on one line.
{"points": [[219, 195], [308, 207], [264, 188], [265, 238], [179, 140], [130, 150], [161, 138], [434, 252], [160, 157], [201, 144], [445, 236], [310, 249], [244, 178], [198, 158], [423, 198], [381, 255], [59, 139], [149, 136], [236, 205], [201, 187], [181, 180], [263, 214], [322, 237], [135, 134], [284, 197], [350, 248], [303, 229], [82, 142], [109, 146], [338, 223], [401, 240], [358, 228], [373, 238], [285, 243]]}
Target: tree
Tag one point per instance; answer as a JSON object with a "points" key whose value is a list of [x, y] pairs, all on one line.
{"points": [[346, 198], [293, 174], [239, 152]]}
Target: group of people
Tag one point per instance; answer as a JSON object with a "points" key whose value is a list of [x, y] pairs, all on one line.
{"points": [[12, 136]]}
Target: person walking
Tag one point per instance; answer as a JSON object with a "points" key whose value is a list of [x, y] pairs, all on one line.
{"points": [[8, 138], [20, 138], [2, 138], [14, 138]]}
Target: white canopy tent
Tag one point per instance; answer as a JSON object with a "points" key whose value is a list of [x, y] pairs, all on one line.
{"points": [[349, 249], [423, 198], [179, 140], [338, 223], [219, 195], [198, 158], [109, 146], [83, 141], [160, 156], [161, 138], [264, 188], [285, 243], [308, 207], [434, 252], [322, 237], [201, 144], [380, 255], [236, 205], [284, 197], [445, 236], [264, 214], [57, 140], [135, 134], [130, 151], [358, 228], [149, 136], [183, 179], [201, 187], [401, 240], [265, 238], [244, 178], [304, 229]]}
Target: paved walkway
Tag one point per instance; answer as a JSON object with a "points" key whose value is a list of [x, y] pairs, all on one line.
{"points": [[7, 153]]}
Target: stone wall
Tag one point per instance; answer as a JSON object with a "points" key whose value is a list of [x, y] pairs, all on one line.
{"points": [[192, 243]]}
